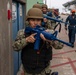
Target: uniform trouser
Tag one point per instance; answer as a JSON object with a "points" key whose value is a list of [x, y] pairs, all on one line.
{"points": [[23, 72], [71, 34]]}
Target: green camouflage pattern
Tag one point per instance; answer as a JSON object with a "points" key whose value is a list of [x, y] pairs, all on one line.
{"points": [[48, 25], [53, 24], [57, 45], [19, 42]]}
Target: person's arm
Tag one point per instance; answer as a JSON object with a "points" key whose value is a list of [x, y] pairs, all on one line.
{"points": [[67, 19], [20, 40], [55, 44]]}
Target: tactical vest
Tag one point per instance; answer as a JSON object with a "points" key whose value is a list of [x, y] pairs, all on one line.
{"points": [[35, 61]]}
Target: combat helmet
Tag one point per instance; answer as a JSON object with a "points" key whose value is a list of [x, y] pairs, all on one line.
{"points": [[34, 13], [37, 6], [44, 6]]}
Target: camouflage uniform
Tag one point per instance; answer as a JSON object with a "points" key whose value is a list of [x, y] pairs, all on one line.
{"points": [[48, 25], [20, 40]]}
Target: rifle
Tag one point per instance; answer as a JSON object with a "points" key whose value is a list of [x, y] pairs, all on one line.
{"points": [[47, 35], [54, 19]]}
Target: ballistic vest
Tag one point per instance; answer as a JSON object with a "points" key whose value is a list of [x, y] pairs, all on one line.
{"points": [[34, 61]]}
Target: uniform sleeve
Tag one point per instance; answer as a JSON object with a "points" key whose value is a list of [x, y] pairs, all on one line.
{"points": [[19, 42], [67, 19], [55, 44]]}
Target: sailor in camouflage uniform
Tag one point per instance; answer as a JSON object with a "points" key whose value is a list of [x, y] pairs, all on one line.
{"points": [[50, 24], [39, 63], [20, 43]]}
